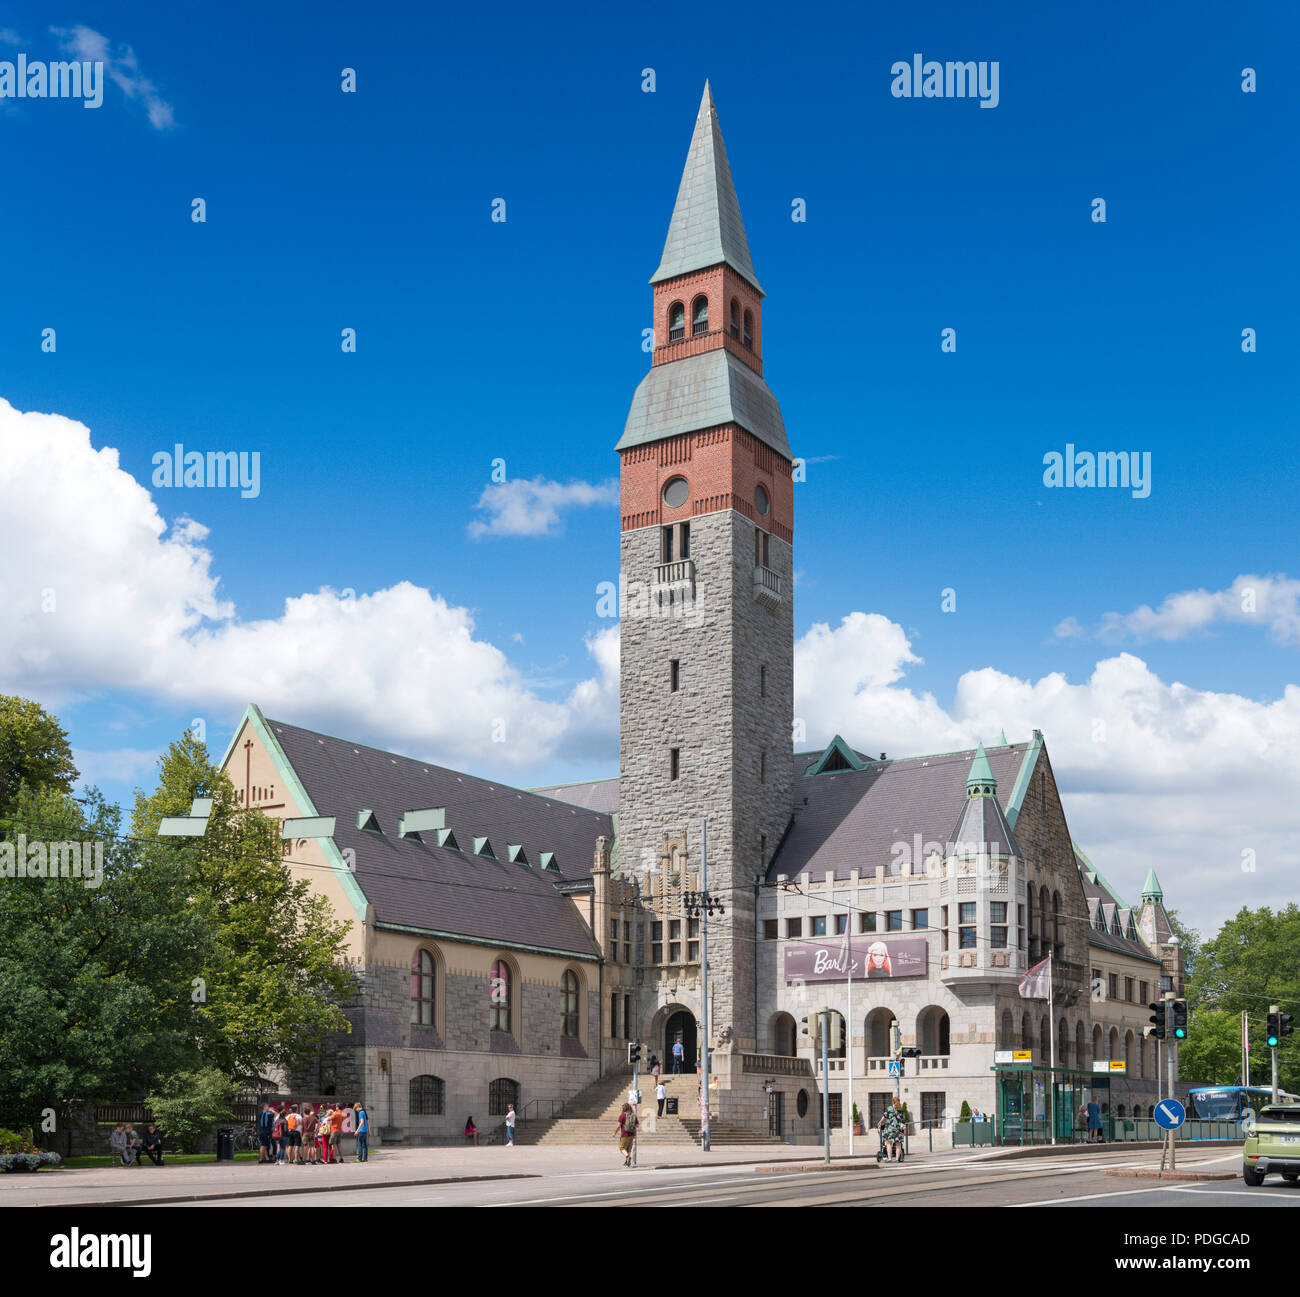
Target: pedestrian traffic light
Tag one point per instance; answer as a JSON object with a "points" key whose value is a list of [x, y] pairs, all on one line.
{"points": [[1158, 1018], [634, 1052], [1284, 1027], [1179, 1023]]}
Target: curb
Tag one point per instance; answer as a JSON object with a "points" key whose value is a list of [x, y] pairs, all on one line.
{"points": [[1143, 1173], [873, 1165], [1080, 1150], [281, 1193]]}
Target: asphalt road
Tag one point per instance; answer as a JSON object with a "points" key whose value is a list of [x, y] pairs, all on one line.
{"points": [[1073, 1181]]}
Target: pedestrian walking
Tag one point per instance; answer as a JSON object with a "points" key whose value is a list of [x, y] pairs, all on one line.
{"points": [[678, 1054], [361, 1120], [336, 1134], [626, 1132], [293, 1134], [661, 1094], [310, 1131], [265, 1121], [1094, 1122], [510, 1125], [278, 1132], [152, 1144], [891, 1131], [655, 1067]]}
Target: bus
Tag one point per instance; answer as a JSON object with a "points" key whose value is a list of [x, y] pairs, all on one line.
{"points": [[1226, 1102]]}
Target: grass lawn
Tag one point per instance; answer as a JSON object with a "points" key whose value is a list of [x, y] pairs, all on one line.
{"points": [[169, 1159]]}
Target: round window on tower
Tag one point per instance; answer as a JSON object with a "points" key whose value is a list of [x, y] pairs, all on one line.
{"points": [[761, 502], [676, 493]]}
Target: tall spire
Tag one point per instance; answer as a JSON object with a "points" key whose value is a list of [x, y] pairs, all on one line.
{"points": [[706, 228], [1151, 890], [980, 781]]}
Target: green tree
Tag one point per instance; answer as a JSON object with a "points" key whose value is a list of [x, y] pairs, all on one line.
{"points": [[272, 978], [965, 1113], [1253, 961], [33, 750], [186, 1104], [92, 978], [1211, 1054]]}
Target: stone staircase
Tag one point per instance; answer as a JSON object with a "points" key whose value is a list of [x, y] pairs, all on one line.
{"points": [[591, 1117]]}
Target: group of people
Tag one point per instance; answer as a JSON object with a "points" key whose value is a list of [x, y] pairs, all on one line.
{"points": [[128, 1146], [309, 1134]]}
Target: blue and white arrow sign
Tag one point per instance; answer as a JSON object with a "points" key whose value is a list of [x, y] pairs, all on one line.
{"points": [[1170, 1114]]}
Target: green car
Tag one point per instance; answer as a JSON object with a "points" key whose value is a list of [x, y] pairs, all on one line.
{"points": [[1272, 1144]]}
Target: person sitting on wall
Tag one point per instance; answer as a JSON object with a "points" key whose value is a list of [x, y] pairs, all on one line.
{"points": [[153, 1144], [471, 1131]]}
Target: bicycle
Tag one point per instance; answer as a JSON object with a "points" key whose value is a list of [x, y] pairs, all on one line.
{"points": [[246, 1140]]}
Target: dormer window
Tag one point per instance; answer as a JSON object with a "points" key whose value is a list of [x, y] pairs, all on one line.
{"points": [[735, 318], [676, 322], [700, 317], [749, 330]]}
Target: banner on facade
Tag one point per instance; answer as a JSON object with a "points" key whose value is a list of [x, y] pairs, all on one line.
{"points": [[877, 959]]}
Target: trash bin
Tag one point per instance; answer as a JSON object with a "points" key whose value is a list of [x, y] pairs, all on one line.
{"points": [[225, 1144], [670, 1107]]}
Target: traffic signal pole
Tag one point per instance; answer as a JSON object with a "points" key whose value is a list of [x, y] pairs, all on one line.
{"points": [[1274, 1009], [1172, 1052], [826, 1079]]}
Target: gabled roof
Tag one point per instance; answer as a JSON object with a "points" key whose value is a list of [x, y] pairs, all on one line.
{"points": [[703, 391], [838, 756], [419, 885], [706, 228], [855, 819]]}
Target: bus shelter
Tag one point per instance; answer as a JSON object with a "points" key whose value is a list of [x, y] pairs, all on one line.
{"points": [[1035, 1100]]}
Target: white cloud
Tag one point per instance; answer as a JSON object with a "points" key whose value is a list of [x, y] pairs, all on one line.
{"points": [[9, 37], [122, 67], [1152, 773], [532, 506], [1271, 601], [104, 596], [122, 765]]}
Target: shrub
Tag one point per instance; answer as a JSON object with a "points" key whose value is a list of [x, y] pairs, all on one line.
{"points": [[186, 1104], [965, 1111], [857, 1116], [12, 1142], [28, 1161]]}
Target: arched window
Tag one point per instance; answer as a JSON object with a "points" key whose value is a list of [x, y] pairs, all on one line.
{"points": [[878, 1021], [699, 316], [501, 1094], [1026, 1033], [1033, 930], [1080, 1045], [1044, 917], [1056, 920], [1114, 1044], [569, 990], [735, 318], [500, 995], [783, 1035], [676, 322], [1128, 1052], [428, 1096], [1062, 1044], [749, 330], [1008, 1041], [932, 1030], [422, 989], [1096, 1044], [1045, 1039], [628, 1027], [613, 1016]]}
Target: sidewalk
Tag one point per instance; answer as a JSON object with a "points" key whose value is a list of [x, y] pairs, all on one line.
{"points": [[126, 1186]]}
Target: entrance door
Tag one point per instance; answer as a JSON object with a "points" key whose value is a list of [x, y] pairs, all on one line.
{"points": [[776, 1114], [681, 1026]]}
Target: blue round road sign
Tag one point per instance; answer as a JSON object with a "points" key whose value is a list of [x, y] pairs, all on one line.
{"points": [[1170, 1114]]}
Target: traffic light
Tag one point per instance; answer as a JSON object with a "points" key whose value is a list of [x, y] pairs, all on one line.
{"points": [[1179, 1024], [1279, 1026], [835, 1032], [634, 1052], [1158, 1018], [895, 1038], [812, 1025], [910, 1051]]}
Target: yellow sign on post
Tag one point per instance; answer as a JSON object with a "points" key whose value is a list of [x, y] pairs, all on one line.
{"points": [[1118, 1066], [1022, 1055]]}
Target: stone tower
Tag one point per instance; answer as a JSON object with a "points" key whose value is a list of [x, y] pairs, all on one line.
{"points": [[707, 692]]}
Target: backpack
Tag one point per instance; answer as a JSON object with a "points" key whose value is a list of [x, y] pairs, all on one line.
{"points": [[629, 1123], [277, 1131]]}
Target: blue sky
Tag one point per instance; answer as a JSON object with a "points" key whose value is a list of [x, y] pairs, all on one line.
{"points": [[522, 341]]}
